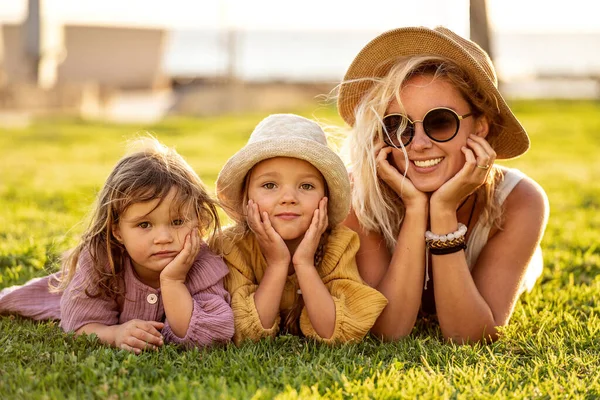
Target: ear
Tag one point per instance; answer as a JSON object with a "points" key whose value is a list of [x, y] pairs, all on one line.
{"points": [[117, 233], [482, 126]]}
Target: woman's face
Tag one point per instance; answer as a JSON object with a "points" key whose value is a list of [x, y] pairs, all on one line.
{"points": [[431, 163]]}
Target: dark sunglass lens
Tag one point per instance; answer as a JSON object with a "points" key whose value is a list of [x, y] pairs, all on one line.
{"points": [[392, 124], [441, 125]]}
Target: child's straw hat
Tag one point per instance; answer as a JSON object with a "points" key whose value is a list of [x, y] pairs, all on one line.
{"points": [[285, 135]]}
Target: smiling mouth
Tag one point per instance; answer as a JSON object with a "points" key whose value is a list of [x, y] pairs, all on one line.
{"points": [[428, 163]]}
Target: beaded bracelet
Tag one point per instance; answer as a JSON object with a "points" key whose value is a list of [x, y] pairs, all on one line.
{"points": [[444, 244], [446, 241]]}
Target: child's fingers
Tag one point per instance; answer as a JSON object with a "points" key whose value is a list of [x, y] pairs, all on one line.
{"points": [[148, 339], [324, 218], [139, 344], [151, 328], [130, 349], [254, 219], [268, 227], [157, 325]]}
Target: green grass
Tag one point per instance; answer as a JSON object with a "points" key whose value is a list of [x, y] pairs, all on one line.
{"points": [[50, 172]]}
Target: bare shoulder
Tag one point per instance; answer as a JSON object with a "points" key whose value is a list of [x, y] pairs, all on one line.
{"points": [[527, 203], [528, 194]]}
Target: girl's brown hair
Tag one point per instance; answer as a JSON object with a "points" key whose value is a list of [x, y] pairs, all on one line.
{"points": [[144, 175]]}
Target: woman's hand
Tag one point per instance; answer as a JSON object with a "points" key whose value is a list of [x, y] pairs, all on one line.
{"points": [[305, 253], [479, 158], [137, 335], [271, 244], [179, 267], [395, 179]]}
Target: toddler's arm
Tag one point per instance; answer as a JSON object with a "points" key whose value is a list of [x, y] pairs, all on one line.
{"points": [[211, 320], [197, 310], [357, 305]]}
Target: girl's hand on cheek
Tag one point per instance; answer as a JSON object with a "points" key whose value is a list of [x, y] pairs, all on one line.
{"points": [[305, 253], [479, 159], [178, 269], [395, 178], [271, 244]]}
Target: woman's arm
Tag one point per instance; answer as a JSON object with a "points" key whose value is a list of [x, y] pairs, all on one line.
{"points": [[399, 277], [472, 305]]}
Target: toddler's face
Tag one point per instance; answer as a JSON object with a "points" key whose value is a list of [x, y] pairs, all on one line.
{"points": [[154, 234], [289, 190]]}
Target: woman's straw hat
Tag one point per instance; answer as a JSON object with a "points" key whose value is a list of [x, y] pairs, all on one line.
{"points": [[285, 135], [379, 55]]}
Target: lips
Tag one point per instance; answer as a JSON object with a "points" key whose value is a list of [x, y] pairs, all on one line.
{"points": [[165, 254], [287, 216]]}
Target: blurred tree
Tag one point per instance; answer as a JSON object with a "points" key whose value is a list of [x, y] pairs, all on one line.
{"points": [[32, 38], [479, 25]]}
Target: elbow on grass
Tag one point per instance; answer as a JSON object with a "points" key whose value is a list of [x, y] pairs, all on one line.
{"points": [[488, 336], [391, 335]]}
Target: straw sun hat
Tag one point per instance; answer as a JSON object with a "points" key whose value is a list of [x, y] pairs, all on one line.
{"points": [[285, 135], [377, 57]]}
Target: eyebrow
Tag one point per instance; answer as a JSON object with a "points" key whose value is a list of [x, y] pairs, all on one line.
{"points": [[135, 219], [275, 174]]}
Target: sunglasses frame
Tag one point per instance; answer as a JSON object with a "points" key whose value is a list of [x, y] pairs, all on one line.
{"points": [[387, 134]]}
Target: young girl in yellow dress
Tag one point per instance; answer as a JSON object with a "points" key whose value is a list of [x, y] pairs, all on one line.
{"points": [[292, 265]]}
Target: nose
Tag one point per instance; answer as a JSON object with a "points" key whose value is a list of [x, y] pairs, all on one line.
{"points": [[163, 235], [288, 196], [420, 141]]}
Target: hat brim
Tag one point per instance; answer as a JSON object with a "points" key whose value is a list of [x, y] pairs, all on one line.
{"points": [[377, 57], [230, 182]]}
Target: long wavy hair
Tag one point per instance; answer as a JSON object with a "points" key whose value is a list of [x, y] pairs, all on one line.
{"points": [[376, 205], [146, 174]]}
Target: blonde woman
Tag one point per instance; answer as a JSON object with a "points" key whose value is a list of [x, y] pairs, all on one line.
{"points": [[444, 230]]}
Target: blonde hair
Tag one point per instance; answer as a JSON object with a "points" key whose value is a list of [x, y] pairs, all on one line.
{"points": [[376, 205], [141, 176]]}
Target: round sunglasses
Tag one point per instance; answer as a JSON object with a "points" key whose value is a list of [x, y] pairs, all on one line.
{"points": [[440, 124]]}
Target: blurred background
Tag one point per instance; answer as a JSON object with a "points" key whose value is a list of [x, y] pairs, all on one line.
{"points": [[141, 60]]}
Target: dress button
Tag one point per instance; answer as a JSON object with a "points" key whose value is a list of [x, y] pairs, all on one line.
{"points": [[152, 298]]}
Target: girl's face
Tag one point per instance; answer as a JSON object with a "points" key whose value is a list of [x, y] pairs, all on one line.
{"points": [[431, 163], [154, 234], [289, 190]]}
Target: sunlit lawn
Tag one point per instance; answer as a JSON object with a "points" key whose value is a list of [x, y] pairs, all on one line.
{"points": [[50, 172]]}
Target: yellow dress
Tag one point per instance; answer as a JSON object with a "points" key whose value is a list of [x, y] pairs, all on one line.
{"points": [[357, 305]]}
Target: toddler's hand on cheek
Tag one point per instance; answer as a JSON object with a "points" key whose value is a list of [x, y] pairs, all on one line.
{"points": [[271, 243], [305, 253]]}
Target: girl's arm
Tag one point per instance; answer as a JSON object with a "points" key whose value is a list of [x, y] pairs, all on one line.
{"points": [[176, 297], [212, 318], [134, 335], [268, 294], [100, 315], [317, 299], [471, 306], [356, 305]]}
